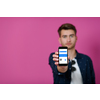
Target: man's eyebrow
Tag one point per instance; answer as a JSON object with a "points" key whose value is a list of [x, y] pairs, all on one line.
{"points": [[69, 35]]}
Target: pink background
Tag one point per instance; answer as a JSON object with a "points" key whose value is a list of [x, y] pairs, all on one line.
{"points": [[26, 43]]}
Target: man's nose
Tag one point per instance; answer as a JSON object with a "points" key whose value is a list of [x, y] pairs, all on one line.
{"points": [[68, 39]]}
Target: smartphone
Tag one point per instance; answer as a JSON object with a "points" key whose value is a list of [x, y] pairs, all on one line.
{"points": [[63, 56]]}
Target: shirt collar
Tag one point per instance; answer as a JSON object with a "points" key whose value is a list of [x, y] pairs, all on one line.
{"points": [[78, 56]]}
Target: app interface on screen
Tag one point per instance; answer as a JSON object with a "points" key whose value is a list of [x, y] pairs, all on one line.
{"points": [[62, 56]]}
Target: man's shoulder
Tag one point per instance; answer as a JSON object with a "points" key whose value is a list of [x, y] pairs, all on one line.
{"points": [[51, 58], [82, 55], [51, 54]]}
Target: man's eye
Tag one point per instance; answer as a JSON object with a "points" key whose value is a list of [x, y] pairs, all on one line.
{"points": [[64, 36], [71, 36]]}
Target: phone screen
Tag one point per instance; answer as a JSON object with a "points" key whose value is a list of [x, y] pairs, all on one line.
{"points": [[63, 55]]}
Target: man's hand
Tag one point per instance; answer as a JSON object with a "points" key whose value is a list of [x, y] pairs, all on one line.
{"points": [[61, 69]]}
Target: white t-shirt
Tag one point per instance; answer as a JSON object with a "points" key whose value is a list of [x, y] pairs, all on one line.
{"points": [[76, 77]]}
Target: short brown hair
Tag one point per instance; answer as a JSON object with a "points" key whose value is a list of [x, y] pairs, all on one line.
{"points": [[66, 26]]}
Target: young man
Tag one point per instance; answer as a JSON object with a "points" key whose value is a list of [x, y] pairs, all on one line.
{"points": [[80, 68]]}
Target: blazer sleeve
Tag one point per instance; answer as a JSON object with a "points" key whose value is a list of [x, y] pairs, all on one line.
{"points": [[54, 67], [52, 64], [92, 71]]}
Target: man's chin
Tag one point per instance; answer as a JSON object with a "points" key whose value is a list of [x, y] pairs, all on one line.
{"points": [[69, 47], [65, 46]]}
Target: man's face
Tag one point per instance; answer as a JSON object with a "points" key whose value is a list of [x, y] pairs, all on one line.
{"points": [[68, 38]]}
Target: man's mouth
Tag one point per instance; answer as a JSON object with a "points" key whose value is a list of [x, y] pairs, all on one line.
{"points": [[68, 43]]}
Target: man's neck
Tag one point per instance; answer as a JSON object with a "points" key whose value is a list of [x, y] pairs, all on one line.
{"points": [[72, 53]]}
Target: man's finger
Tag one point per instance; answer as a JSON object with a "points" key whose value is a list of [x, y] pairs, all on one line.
{"points": [[55, 55], [55, 59], [56, 63]]}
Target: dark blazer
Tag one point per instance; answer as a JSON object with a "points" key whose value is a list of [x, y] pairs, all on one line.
{"points": [[85, 65]]}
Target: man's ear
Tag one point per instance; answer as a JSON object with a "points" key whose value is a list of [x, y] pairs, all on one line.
{"points": [[76, 38], [59, 40]]}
